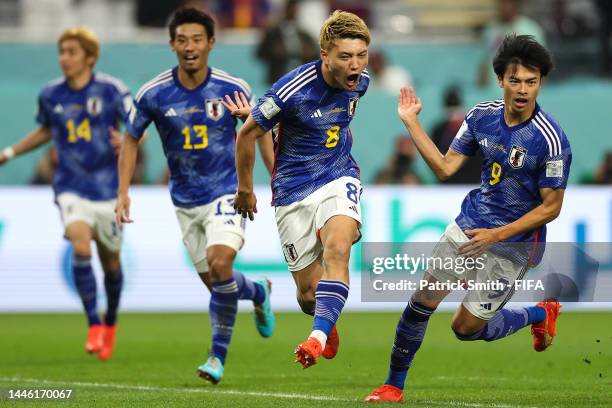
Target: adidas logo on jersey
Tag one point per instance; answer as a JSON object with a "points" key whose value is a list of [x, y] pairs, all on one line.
{"points": [[316, 114], [229, 222], [354, 208], [484, 142], [170, 112]]}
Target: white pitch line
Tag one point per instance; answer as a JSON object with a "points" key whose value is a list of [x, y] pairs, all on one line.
{"points": [[240, 392], [183, 390]]}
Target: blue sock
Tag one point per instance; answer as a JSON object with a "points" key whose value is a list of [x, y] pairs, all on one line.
{"points": [[249, 289], [223, 309], [504, 323], [113, 283], [408, 338], [330, 297], [85, 283]]}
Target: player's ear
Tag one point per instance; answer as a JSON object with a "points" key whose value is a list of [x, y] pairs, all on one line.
{"points": [[324, 55], [500, 81], [211, 42]]}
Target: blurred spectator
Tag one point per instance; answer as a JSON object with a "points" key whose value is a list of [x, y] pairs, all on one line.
{"points": [[445, 131], [603, 174], [45, 168], [400, 168], [242, 13], [388, 78], [509, 20], [285, 45]]}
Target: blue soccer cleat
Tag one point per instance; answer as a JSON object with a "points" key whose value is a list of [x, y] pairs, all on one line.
{"points": [[211, 370], [264, 318]]}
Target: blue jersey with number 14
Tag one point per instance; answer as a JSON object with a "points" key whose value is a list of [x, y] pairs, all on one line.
{"points": [[198, 134], [79, 121]]}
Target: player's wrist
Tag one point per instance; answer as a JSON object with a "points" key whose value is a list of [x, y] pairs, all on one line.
{"points": [[8, 153]]}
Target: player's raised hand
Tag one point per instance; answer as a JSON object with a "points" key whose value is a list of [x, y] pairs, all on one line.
{"points": [[245, 202], [3, 159], [239, 107], [482, 239], [408, 105], [122, 210]]}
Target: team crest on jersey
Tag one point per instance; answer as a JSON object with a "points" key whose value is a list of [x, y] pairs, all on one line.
{"points": [[517, 156], [214, 108], [94, 105], [352, 106]]}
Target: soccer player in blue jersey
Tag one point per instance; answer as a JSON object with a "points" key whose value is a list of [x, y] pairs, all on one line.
{"points": [[524, 175], [315, 184], [80, 113], [198, 136]]}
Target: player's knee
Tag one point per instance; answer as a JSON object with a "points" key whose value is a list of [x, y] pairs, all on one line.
{"points": [[307, 304], [336, 252], [220, 268], [112, 264], [81, 248], [463, 331]]}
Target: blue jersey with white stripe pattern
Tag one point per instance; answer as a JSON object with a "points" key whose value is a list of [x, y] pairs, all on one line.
{"points": [[518, 162], [79, 121], [312, 136], [198, 134]]}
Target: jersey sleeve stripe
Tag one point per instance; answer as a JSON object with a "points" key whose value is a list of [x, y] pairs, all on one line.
{"points": [[121, 87], [546, 136], [297, 85], [219, 74], [551, 128], [152, 84], [284, 99], [296, 79], [231, 81]]}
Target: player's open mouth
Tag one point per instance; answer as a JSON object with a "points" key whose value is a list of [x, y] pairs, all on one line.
{"points": [[521, 102], [190, 58], [351, 80]]}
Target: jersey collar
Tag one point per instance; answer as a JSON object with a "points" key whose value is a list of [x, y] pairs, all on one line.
{"points": [[521, 125], [179, 85]]}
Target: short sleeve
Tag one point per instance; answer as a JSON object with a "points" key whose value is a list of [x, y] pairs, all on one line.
{"points": [[465, 141], [43, 116], [554, 169], [269, 110], [139, 117]]}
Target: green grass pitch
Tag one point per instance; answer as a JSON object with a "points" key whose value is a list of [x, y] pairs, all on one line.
{"points": [[157, 355]]}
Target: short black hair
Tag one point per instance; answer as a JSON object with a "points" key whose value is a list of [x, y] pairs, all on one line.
{"points": [[523, 50], [188, 15]]}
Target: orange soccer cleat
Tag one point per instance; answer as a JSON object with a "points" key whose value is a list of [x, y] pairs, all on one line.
{"points": [[94, 338], [386, 393], [308, 352], [108, 345], [332, 344], [545, 331]]}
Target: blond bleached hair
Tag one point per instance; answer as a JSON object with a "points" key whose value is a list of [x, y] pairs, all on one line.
{"points": [[342, 24], [85, 36]]}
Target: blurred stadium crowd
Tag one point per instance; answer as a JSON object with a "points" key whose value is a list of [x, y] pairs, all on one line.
{"points": [[274, 36]]}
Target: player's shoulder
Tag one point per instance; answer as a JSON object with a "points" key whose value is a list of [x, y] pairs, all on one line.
{"points": [[296, 81], [52, 87], [156, 84], [550, 132], [364, 82], [111, 82], [225, 79], [486, 108]]}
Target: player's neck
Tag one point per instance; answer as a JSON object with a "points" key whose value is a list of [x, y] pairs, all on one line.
{"points": [[192, 80], [516, 118], [79, 81], [328, 77]]}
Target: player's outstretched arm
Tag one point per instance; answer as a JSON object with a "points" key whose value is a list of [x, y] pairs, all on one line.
{"points": [[37, 137], [127, 163], [483, 238], [245, 201], [266, 150], [444, 166]]}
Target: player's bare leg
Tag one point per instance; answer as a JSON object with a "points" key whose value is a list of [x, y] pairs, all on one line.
{"points": [[80, 235], [337, 237], [113, 284]]}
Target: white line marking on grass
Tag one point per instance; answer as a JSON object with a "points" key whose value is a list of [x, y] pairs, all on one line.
{"points": [[218, 391], [183, 390]]}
